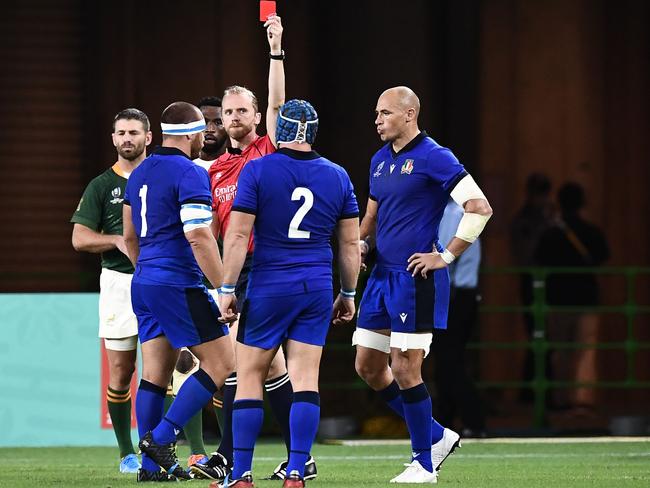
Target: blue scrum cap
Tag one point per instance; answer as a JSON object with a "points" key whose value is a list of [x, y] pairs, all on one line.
{"points": [[297, 122]]}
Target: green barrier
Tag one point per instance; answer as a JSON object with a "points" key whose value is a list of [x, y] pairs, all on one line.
{"points": [[539, 343]]}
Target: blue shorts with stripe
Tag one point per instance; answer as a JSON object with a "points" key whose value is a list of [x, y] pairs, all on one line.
{"points": [[186, 316], [266, 322], [395, 300]]}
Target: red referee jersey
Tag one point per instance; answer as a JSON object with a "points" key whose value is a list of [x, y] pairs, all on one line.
{"points": [[224, 174]]}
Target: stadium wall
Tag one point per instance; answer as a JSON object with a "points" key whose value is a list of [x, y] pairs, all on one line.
{"points": [[50, 365]]}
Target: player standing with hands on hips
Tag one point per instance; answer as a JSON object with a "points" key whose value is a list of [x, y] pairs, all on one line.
{"points": [[407, 295]]}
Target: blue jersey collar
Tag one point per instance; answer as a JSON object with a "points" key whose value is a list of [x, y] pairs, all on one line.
{"points": [[303, 155], [169, 151], [412, 143]]}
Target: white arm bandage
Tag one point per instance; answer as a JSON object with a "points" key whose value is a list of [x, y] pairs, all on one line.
{"points": [[472, 224], [195, 215], [466, 189]]}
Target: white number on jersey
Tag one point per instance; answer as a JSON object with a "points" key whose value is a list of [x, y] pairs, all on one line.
{"points": [[143, 210], [299, 193]]}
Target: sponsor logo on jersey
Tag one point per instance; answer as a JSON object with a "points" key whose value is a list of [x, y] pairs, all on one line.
{"points": [[225, 193], [403, 317], [407, 167], [115, 193], [377, 172], [392, 167]]}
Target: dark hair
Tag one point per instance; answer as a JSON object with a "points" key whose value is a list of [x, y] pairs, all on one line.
{"points": [[209, 102], [132, 114], [571, 197], [538, 184], [180, 113]]}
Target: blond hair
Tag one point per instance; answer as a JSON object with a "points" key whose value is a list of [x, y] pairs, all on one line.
{"points": [[241, 90]]}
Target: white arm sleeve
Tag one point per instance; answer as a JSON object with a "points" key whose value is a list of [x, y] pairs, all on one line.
{"points": [[466, 189], [472, 224]]}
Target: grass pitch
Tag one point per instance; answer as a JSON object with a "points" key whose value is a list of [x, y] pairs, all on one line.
{"points": [[476, 464]]}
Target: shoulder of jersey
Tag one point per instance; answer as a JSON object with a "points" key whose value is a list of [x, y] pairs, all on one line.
{"points": [[382, 152]]}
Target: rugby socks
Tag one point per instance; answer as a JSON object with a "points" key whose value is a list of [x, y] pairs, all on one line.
{"points": [[280, 394], [193, 395], [229, 389], [392, 396], [417, 413], [119, 409], [217, 404], [193, 429], [247, 419], [304, 418], [149, 407]]}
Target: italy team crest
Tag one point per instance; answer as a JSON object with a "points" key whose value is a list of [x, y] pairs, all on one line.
{"points": [[407, 167]]}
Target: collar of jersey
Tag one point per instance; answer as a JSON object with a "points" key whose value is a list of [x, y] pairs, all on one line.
{"points": [[412, 143], [303, 155], [169, 151]]}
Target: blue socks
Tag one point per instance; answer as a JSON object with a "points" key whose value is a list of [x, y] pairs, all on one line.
{"points": [[193, 395], [149, 408], [280, 395], [247, 419], [417, 413], [392, 396], [304, 418]]}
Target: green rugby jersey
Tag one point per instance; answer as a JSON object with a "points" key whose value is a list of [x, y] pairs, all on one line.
{"points": [[100, 209]]}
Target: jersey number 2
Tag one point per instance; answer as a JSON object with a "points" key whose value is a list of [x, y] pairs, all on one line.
{"points": [[143, 210], [298, 194]]}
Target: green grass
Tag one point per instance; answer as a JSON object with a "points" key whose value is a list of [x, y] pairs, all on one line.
{"points": [[475, 465]]}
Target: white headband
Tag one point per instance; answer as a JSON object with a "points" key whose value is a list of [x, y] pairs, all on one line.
{"points": [[183, 129]]}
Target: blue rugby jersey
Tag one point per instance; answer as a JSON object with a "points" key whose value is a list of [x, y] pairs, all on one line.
{"points": [[156, 190], [411, 189], [297, 199]]}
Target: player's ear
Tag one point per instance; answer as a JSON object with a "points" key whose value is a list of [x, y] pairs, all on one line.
{"points": [[258, 118], [410, 114], [148, 138]]}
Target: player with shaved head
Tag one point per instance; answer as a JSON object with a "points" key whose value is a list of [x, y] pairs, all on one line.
{"points": [[407, 295], [167, 214]]}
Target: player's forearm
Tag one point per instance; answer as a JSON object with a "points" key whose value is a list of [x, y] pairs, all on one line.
{"points": [[349, 264], [368, 227], [132, 248], [87, 240], [235, 248], [206, 252], [276, 83]]}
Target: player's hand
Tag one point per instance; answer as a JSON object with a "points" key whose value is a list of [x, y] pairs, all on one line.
{"points": [[228, 308], [120, 245], [364, 249], [423, 262], [343, 310], [274, 33]]}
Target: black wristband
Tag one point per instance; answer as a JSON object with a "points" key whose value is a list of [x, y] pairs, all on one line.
{"points": [[277, 57]]}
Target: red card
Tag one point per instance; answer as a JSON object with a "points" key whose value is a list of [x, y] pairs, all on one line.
{"points": [[267, 8]]}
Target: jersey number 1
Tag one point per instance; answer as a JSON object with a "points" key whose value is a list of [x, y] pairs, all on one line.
{"points": [[298, 194], [143, 210]]}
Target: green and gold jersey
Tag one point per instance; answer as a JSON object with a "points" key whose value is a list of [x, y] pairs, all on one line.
{"points": [[100, 209]]}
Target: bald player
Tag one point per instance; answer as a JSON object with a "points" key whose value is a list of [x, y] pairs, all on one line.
{"points": [[167, 214], [407, 295]]}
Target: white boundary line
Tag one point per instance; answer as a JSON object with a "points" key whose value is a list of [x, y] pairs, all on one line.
{"points": [[493, 440]]}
